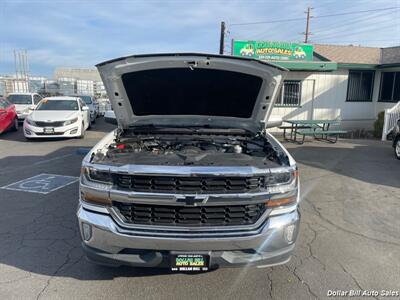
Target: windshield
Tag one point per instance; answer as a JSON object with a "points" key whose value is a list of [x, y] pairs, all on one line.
{"points": [[20, 99], [86, 99], [57, 105]]}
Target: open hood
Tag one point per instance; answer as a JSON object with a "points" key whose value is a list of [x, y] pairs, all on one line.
{"points": [[191, 89]]}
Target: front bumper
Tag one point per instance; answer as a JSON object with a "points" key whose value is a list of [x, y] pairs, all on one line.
{"points": [[72, 130], [22, 116], [111, 244]]}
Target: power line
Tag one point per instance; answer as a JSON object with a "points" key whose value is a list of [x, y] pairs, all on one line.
{"points": [[332, 27], [358, 12], [268, 22], [315, 17], [334, 36]]}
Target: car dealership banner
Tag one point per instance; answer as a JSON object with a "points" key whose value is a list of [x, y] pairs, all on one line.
{"points": [[273, 50]]}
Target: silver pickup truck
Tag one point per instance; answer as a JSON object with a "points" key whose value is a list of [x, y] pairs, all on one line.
{"points": [[190, 180]]}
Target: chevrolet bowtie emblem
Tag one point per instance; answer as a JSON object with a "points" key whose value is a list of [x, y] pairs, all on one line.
{"points": [[191, 200]]}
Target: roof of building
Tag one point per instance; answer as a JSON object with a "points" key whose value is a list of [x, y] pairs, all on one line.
{"points": [[349, 54], [391, 55]]}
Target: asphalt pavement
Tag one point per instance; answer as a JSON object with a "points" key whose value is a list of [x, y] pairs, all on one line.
{"points": [[349, 237]]}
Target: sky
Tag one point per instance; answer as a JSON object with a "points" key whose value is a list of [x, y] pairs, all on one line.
{"points": [[83, 33]]}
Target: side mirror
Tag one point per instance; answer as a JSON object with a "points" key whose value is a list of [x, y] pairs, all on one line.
{"points": [[85, 108]]}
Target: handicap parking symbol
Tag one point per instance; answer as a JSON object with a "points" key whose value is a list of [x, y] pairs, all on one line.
{"points": [[42, 183]]}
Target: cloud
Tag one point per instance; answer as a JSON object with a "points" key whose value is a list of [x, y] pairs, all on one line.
{"points": [[83, 33]]}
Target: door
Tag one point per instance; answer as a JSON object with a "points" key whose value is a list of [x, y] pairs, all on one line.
{"points": [[3, 116], [85, 114], [7, 115]]}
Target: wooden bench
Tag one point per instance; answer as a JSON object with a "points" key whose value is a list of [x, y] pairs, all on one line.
{"points": [[324, 134]]}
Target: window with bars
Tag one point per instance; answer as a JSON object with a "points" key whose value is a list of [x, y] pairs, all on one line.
{"points": [[390, 87], [290, 94], [360, 86]]}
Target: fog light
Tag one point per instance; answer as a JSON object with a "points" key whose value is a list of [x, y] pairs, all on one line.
{"points": [[73, 131], [27, 132], [289, 233], [86, 231]]}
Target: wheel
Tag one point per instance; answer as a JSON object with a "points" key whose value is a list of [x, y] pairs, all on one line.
{"points": [[397, 148], [15, 125], [82, 131], [94, 121]]}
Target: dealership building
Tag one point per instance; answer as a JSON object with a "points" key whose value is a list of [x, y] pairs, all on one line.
{"points": [[350, 83]]}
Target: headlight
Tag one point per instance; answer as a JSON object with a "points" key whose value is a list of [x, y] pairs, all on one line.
{"points": [[95, 175], [282, 185], [69, 122], [99, 183], [30, 121]]}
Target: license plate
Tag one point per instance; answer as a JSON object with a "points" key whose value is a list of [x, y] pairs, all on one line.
{"points": [[190, 262], [48, 130]]}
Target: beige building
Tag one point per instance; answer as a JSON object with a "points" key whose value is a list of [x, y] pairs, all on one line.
{"points": [[77, 73]]}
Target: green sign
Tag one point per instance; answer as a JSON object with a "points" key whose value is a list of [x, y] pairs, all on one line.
{"points": [[273, 50]]}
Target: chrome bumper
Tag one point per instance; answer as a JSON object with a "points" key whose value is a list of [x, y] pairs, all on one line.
{"points": [[109, 243]]}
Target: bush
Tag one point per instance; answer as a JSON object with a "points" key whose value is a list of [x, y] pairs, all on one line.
{"points": [[378, 125]]}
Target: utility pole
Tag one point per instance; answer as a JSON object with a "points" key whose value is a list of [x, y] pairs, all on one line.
{"points": [[222, 38], [307, 33]]}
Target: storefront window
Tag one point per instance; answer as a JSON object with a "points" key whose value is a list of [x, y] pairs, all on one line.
{"points": [[290, 94], [360, 86], [390, 87]]}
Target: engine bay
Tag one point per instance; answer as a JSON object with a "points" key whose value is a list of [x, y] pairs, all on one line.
{"points": [[191, 149]]}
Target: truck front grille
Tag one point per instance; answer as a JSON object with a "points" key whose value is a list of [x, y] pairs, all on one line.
{"points": [[198, 185], [166, 215]]}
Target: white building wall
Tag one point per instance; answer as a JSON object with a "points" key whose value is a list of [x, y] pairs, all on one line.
{"points": [[324, 97]]}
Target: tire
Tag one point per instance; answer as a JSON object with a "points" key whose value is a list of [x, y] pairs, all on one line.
{"points": [[82, 131], [397, 148], [15, 125]]}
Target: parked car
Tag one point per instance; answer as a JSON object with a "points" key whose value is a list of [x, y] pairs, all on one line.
{"points": [[91, 103], [109, 117], [396, 139], [58, 117], [104, 105], [190, 180], [8, 116], [24, 103]]}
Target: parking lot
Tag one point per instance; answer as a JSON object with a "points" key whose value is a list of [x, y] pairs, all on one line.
{"points": [[349, 237]]}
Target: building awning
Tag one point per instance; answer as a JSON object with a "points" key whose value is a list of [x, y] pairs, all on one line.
{"points": [[387, 66]]}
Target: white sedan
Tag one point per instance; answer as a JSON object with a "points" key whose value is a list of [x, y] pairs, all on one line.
{"points": [[58, 117]]}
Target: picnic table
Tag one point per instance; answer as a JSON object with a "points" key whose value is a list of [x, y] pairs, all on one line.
{"points": [[319, 129]]}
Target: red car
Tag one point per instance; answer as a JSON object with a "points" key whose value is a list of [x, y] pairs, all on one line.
{"points": [[8, 116]]}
